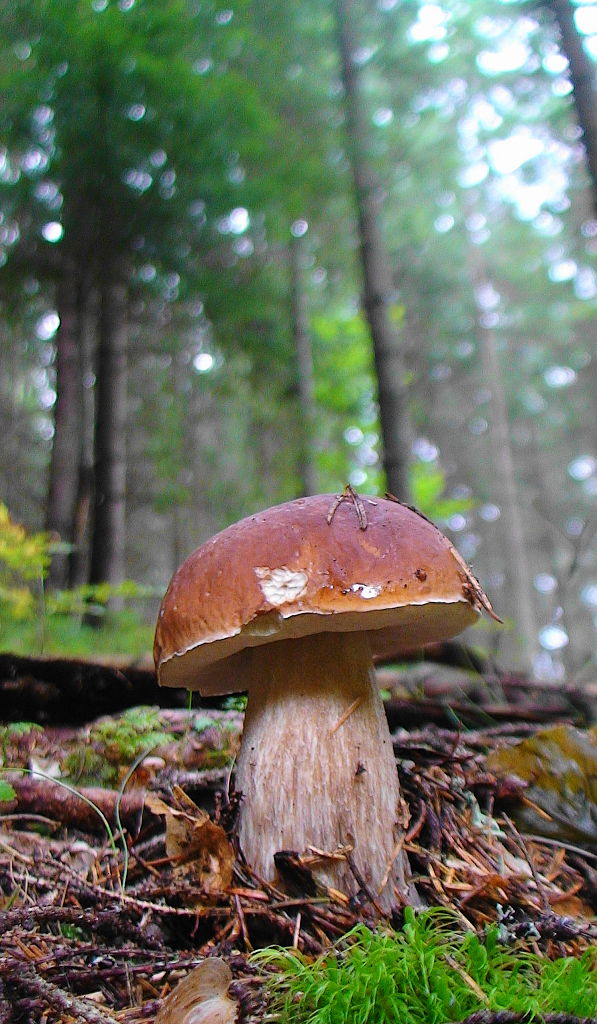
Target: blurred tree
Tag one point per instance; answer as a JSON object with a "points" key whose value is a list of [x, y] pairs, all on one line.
{"points": [[378, 293], [67, 448], [299, 317], [504, 489], [582, 76], [467, 128], [129, 136]]}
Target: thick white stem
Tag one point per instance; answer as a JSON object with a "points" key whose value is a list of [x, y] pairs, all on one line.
{"points": [[316, 766]]}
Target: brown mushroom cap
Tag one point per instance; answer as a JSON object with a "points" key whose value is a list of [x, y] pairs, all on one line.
{"points": [[312, 565]]}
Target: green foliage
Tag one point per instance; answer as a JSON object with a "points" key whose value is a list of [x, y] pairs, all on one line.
{"points": [[122, 633], [7, 792], [344, 395], [122, 87], [140, 126], [237, 702], [31, 619], [17, 730], [24, 560], [427, 485], [428, 973], [344, 362], [93, 597]]}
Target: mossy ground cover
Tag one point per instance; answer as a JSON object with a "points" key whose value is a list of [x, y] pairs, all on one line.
{"points": [[428, 973]]}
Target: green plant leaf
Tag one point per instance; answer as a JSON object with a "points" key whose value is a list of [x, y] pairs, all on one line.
{"points": [[7, 792]]}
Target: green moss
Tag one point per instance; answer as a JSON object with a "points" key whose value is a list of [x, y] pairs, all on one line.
{"points": [[428, 973], [114, 743], [127, 736]]}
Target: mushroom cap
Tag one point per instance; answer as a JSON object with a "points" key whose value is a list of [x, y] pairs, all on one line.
{"points": [[325, 563]]}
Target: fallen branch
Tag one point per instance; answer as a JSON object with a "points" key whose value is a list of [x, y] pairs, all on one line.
{"points": [[65, 691], [40, 796], [83, 1011]]}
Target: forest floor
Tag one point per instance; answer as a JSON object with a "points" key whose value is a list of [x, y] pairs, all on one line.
{"points": [[118, 869]]}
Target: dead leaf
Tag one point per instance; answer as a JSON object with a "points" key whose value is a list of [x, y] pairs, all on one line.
{"points": [[571, 906], [202, 997], [559, 766], [199, 848]]}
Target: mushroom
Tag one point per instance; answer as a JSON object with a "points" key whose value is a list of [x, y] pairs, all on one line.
{"points": [[290, 605]]}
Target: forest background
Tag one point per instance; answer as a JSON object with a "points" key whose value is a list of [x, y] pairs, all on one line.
{"points": [[251, 250]]}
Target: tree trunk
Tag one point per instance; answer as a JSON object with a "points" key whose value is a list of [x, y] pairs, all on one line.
{"points": [[79, 560], [108, 532], [68, 426], [304, 366], [513, 543], [378, 292], [582, 76]]}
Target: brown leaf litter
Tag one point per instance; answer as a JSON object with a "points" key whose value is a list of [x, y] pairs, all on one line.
{"points": [[101, 924]]}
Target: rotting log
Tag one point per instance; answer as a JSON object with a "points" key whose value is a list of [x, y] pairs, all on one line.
{"points": [[69, 692]]}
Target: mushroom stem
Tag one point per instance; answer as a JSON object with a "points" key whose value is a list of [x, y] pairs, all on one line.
{"points": [[316, 766]]}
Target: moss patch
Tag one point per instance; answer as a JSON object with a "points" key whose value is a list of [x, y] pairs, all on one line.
{"points": [[428, 973]]}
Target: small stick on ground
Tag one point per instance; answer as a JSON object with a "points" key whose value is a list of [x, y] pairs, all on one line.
{"points": [[522, 848], [363, 885], [243, 923], [81, 1010]]}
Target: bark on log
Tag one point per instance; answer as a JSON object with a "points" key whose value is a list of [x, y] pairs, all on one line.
{"points": [[79, 809], [59, 691]]}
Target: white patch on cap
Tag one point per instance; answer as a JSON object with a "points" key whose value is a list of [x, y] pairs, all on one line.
{"points": [[364, 590], [281, 586]]}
